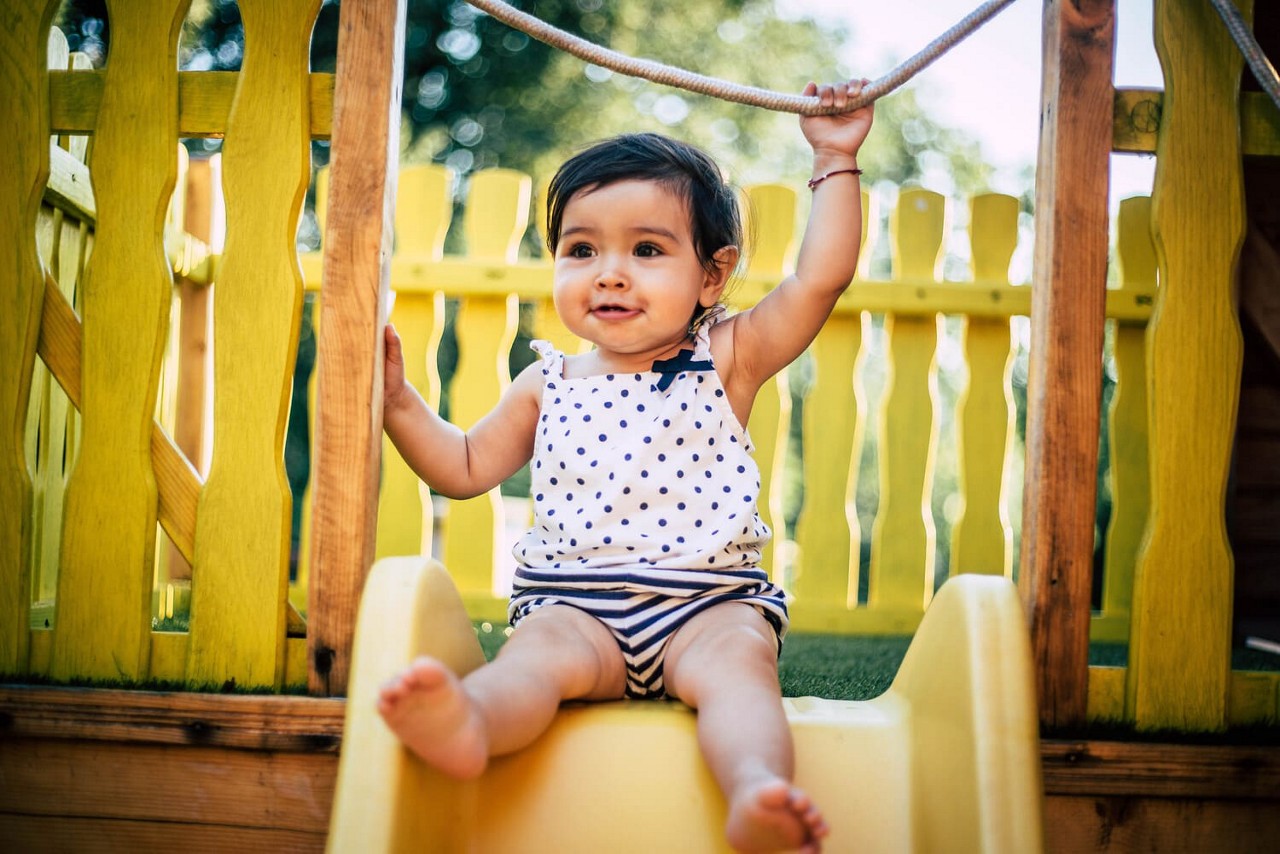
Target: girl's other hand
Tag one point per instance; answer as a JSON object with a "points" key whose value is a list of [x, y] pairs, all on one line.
{"points": [[392, 369]]}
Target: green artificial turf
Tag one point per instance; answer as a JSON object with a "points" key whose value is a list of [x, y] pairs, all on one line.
{"points": [[839, 667]]}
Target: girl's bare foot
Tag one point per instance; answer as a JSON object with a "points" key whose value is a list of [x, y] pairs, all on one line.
{"points": [[774, 815], [427, 709]]}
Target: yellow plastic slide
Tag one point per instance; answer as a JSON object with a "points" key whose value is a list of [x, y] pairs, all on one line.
{"points": [[946, 760]]}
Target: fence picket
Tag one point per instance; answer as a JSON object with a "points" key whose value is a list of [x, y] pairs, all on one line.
{"points": [[771, 218], [239, 583], [1179, 652], [982, 539], [495, 220], [59, 425], [1130, 489], [424, 209], [23, 97], [547, 323], [902, 556], [828, 538], [103, 627]]}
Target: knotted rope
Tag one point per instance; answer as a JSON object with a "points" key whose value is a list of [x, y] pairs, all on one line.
{"points": [[656, 72]]}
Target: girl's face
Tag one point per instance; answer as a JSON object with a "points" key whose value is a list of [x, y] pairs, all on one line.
{"points": [[627, 277]]}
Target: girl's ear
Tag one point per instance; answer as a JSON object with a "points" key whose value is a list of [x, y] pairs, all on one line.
{"points": [[725, 260]]}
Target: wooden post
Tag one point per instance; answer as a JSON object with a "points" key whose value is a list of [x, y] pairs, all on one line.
{"points": [[1067, 319], [193, 351], [357, 254]]}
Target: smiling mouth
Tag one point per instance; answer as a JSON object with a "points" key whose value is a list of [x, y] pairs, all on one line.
{"points": [[614, 311]]}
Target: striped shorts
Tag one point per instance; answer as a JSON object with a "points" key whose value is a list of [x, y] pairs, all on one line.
{"points": [[644, 608]]}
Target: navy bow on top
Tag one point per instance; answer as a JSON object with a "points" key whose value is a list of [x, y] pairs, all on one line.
{"points": [[682, 361]]}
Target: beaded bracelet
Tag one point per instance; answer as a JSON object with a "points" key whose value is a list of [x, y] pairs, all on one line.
{"points": [[814, 182]]}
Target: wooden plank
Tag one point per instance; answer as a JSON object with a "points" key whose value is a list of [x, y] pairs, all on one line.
{"points": [[494, 223], [69, 188], [202, 175], [33, 833], [826, 578], [23, 49], [1129, 428], [1161, 769], [243, 529], [1123, 824], [1179, 655], [1136, 119], [204, 102], [835, 416], [112, 781], [104, 585], [424, 209], [47, 413], [1137, 122], [240, 721], [982, 538], [770, 211], [357, 244], [902, 549], [1067, 317], [177, 482], [460, 276]]}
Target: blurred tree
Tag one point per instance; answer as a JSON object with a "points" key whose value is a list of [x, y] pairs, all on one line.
{"points": [[479, 94]]}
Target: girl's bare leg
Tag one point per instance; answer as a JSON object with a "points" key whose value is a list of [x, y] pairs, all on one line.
{"points": [[724, 663], [558, 653]]}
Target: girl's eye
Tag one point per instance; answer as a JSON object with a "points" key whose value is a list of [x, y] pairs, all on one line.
{"points": [[647, 250], [580, 250]]}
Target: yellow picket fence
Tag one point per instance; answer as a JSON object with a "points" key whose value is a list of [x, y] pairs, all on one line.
{"points": [[103, 477], [892, 329]]}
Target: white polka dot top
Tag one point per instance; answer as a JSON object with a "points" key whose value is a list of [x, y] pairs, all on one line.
{"points": [[641, 470]]}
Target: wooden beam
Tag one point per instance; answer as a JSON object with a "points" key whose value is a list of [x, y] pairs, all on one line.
{"points": [[357, 252], [204, 101], [1138, 113], [1067, 319]]}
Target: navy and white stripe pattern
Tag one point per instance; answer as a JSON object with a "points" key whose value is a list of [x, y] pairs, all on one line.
{"points": [[644, 608]]}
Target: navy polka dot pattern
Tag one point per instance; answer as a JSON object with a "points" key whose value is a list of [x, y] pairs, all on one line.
{"points": [[625, 475]]}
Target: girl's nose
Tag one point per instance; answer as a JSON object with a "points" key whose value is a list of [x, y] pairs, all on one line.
{"points": [[610, 277]]}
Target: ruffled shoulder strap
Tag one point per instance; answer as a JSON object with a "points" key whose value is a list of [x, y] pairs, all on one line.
{"points": [[702, 334], [552, 359]]}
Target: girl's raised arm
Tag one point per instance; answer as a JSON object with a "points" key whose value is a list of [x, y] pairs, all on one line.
{"points": [[452, 462], [769, 336]]}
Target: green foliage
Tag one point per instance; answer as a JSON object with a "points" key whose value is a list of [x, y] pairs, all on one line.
{"points": [[478, 94]]}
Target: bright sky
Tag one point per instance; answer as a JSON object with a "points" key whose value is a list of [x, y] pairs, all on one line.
{"points": [[989, 84]]}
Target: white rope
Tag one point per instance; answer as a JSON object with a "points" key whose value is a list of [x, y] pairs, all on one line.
{"points": [[1262, 69], [658, 73]]}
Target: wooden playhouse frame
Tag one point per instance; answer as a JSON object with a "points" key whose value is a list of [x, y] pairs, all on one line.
{"points": [[281, 750]]}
